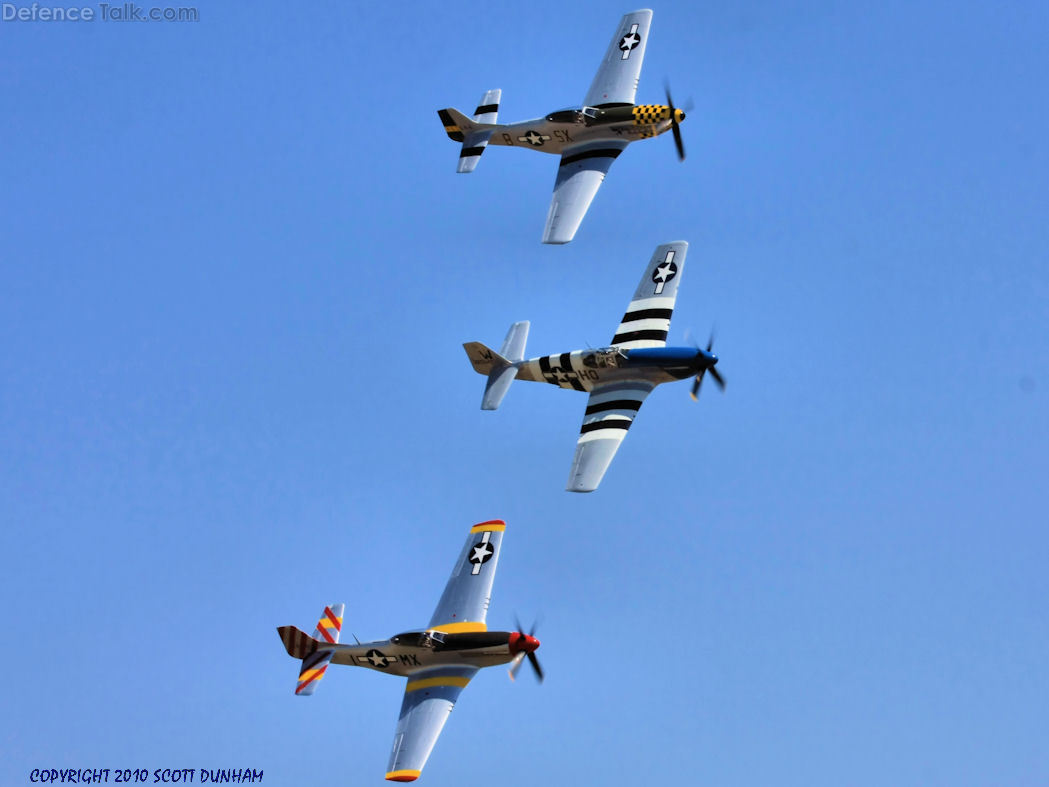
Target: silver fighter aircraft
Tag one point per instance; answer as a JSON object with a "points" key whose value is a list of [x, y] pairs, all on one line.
{"points": [[587, 138], [438, 661], [618, 377]]}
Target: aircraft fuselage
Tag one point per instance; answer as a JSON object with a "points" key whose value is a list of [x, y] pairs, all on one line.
{"points": [[405, 654], [558, 130], [583, 370]]}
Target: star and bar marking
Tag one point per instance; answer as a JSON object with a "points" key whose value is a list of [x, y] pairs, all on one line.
{"points": [[482, 552], [376, 658], [629, 42], [534, 138], [664, 272]]}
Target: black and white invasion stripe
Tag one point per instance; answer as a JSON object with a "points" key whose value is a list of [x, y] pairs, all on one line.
{"points": [[642, 323], [612, 409], [561, 374]]}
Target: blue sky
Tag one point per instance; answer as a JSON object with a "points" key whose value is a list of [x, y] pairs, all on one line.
{"points": [[237, 268]]}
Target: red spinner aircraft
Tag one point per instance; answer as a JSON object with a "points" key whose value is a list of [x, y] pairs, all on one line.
{"points": [[438, 661]]}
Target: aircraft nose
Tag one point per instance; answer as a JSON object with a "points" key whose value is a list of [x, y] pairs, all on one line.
{"points": [[680, 115], [531, 644]]}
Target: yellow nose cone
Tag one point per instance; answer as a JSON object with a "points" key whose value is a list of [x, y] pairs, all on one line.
{"points": [[679, 115]]}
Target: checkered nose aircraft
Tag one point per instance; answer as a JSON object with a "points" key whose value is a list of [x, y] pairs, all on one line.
{"points": [[618, 377], [438, 661], [587, 138]]}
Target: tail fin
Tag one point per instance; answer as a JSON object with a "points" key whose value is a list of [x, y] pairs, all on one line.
{"points": [[456, 124], [315, 657], [500, 367], [474, 134]]}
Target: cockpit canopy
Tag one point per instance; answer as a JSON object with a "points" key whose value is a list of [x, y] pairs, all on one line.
{"points": [[603, 358], [419, 639], [575, 115]]}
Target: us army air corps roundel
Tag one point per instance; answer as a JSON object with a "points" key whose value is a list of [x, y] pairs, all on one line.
{"points": [[617, 377], [629, 42], [588, 138], [665, 271], [482, 552], [437, 661], [534, 138]]}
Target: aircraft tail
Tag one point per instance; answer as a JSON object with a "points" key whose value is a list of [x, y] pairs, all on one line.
{"points": [[500, 367], [315, 657], [474, 134]]}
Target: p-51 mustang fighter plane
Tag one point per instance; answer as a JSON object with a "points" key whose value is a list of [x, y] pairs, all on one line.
{"points": [[618, 377], [588, 138], [438, 661]]}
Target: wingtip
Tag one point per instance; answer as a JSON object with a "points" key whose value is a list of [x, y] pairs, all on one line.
{"points": [[402, 776], [490, 525]]}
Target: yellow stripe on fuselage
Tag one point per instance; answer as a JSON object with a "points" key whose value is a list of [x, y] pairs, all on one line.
{"points": [[428, 683], [458, 628]]}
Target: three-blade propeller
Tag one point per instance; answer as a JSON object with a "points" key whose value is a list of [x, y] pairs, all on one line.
{"points": [[675, 126], [707, 368], [529, 653]]}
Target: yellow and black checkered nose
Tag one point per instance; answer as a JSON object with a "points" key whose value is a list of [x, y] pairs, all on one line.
{"points": [[650, 114]]}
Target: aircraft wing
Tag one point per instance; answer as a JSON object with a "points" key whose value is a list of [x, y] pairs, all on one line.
{"points": [[610, 410], [647, 318], [582, 170], [428, 701], [464, 603], [616, 79]]}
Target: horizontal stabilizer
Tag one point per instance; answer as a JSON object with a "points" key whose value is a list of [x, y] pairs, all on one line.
{"points": [[311, 672], [498, 384], [315, 656], [476, 141], [516, 339], [330, 624]]}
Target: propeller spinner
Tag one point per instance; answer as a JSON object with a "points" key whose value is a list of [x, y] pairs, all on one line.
{"points": [[708, 366], [524, 646]]}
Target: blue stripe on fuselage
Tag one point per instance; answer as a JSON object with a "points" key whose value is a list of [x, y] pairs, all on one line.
{"points": [[678, 362], [663, 356]]}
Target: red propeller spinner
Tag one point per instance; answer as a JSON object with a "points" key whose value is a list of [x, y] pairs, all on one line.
{"points": [[524, 645]]}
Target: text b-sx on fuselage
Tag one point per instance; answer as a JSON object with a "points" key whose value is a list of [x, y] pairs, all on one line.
{"points": [[618, 377], [588, 138]]}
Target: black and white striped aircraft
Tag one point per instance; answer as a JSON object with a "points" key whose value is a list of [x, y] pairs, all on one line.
{"points": [[587, 138], [618, 377]]}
